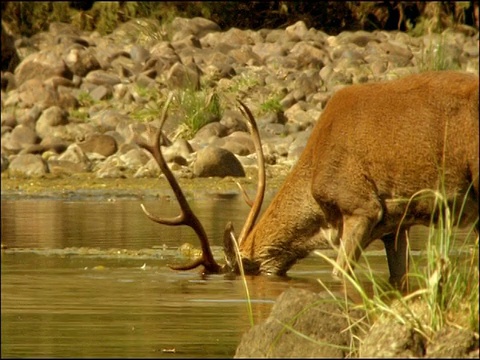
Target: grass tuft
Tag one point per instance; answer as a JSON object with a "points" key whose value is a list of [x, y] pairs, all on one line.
{"points": [[444, 283]]}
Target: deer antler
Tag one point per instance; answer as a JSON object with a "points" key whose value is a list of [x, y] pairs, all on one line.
{"points": [[187, 216], [257, 203], [230, 243], [246, 198]]}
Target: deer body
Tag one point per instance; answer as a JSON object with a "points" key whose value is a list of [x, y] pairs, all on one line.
{"points": [[362, 176], [374, 147]]}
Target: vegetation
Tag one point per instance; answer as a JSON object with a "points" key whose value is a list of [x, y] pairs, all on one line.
{"points": [[443, 285], [435, 57], [28, 18], [149, 102], [272, 104], [197, 109]]}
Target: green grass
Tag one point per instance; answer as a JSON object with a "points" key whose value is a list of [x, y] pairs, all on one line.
{"points": [[444, 286], [197, 108], [272, 104], [243, 83], [85, 99], [193, 108], [436, 57], [150, 104]]}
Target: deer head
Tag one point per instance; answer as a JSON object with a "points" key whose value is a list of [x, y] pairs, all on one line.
{"points": [[373, 150], [187, 216]]}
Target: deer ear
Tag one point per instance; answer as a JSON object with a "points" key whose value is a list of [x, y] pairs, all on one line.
{"points": [[229, 247]]}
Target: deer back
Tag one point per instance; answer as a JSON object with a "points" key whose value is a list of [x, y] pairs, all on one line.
{"points": [[402, 136], [396, 138]]}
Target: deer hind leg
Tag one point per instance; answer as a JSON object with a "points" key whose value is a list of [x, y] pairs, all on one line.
{"points": [[397, 258]]}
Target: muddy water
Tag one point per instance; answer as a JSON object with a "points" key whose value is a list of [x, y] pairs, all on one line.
{"points": [[89, 278]]}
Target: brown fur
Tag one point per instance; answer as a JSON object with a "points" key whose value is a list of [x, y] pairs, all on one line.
{"points": [[374, 146]]}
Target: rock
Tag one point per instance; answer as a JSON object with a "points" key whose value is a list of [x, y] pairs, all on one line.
{"points": [[181, 76], [33, 92], [27, 165], [101, 77], [233, 121], [99, 143], [24, 135], [51, 117], [42, 65], [454, 343], [5, 162], [392, 340], [211, 129], [75, 154], [214, 161], [81, 60], [199, 27], [134, 159], [101, 82], [238, 142], [316, 317], [179, 152], [113, 167]]}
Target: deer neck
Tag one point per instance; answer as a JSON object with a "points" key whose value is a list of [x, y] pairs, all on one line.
{"points": [[289, 229]]}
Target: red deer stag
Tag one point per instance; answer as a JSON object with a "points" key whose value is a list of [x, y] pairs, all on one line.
{"points": [[373, 148]]}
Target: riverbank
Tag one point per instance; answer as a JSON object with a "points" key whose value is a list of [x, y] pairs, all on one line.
{"points": [[88, 185]]}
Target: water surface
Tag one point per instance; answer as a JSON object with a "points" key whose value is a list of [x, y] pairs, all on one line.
{"points": [[89, 278]]}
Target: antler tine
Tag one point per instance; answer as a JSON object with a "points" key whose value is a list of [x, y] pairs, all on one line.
{"points": [[187, 216], [244, 194], [257, 204]]}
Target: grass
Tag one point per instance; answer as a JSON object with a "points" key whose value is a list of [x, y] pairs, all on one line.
{"points": [[243, 83], [446, 286], [244, 279], [150, 104], [85, 99], [197, 108], [193, 108], [272, 104], [436, 57]]}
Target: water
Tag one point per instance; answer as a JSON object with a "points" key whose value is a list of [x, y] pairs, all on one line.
{"points": [[89, 278]]}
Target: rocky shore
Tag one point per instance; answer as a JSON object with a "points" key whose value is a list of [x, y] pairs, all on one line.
{"points": [[76, 102]]}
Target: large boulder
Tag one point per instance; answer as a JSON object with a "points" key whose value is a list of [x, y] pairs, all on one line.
{"points": [[215, 161], [302, 324]]}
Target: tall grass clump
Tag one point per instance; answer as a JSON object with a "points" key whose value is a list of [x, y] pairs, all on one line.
{"points": [[197, 108], [436, 57], [443, 282]]}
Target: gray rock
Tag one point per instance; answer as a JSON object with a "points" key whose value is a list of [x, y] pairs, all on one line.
{"points": [[238, 142], [199, 27], [24, 135], [392, 340], [101, 77], [42, 65], [179, 152], [27, 165], [75, 154], [81, 60], [310, 314], [51, 117], [99, 143], [181, 76], [214, 161], [215, 128]]}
